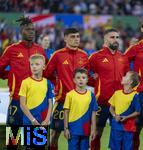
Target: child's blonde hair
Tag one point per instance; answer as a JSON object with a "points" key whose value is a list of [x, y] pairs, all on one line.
{"points": [[37, 56]]}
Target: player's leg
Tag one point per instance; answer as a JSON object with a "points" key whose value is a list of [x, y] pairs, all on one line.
{"points": [[95, 144], [74, 143], [84, 143], [54, 139], [101, 118], [57, 125], [128, 141], [116, 138]]}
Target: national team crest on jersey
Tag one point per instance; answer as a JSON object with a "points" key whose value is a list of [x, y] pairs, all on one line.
{"points": [[80, 61]]}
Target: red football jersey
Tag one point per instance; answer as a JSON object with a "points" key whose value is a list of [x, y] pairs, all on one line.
{"points": [[63, 63], [110, 69], [17, 57]]}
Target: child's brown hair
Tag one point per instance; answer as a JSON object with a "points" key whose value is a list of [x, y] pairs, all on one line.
{"points": [[80, 70]]}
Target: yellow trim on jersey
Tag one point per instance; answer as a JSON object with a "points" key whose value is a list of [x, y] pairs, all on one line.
{"points": [[140, 73], [99, 87], [95, 53], [133, 45], [60, 50], [13, 86], [128, 49], [9, 47], [81, 50], [6, 50]]}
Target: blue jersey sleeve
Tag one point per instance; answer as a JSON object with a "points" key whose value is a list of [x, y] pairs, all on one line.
{"points": [[50, 94], [136, 103], [94, 103]]}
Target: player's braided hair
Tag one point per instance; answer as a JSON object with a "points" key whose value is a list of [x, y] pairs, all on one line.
{"points": [[24, 21]]}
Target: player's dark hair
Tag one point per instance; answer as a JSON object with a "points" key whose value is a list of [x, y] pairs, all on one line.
{"points": [[70, 30], [135, 78], [110, 30], [80, 70], [24, 21]]}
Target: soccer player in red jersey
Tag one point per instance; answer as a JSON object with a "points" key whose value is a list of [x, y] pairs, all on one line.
{"points": [[135, 56], [17, 57], [109, 65], [62, 64]]}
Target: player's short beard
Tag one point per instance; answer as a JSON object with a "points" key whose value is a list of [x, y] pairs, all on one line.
{"points": [[114, 46]]}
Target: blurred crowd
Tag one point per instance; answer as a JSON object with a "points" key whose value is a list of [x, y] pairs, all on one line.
{"points": [[91, 38], [114, 7]]}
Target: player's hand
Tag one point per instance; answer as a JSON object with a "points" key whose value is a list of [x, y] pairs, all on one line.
{"points": [[36, 123], [117, 118], [67, 134], [45, 123], [93, 134], [123, 118]]}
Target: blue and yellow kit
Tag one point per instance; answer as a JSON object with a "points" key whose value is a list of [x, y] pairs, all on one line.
{"points": [[81, 107], [37, 94], [125, 104], [121, 136]]}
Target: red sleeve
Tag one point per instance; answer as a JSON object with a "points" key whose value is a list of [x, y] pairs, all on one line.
{"points": [[127, 66], [92, 63], [92, 66], [131, 52], [51, 68], [5, 61]]}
